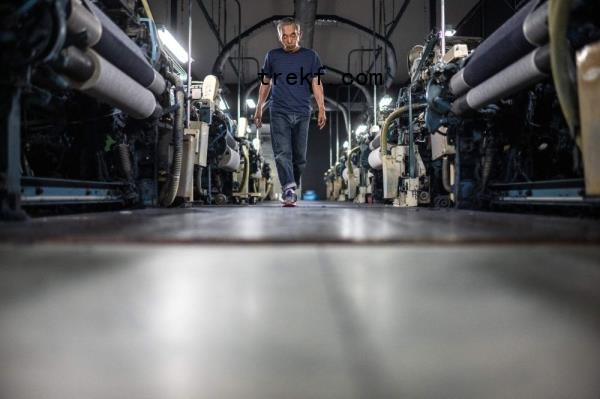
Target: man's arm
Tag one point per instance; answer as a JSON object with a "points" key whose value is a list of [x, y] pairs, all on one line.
{"points": [[317, 88], [263, 93]]}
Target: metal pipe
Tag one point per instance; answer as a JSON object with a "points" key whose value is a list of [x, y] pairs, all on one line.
{"points": [[349, 120], [337, 138], [189, 67], [443, 27], [214, 29], [411, 139], [226, 51], [239, 48], [374, 61], [342, 109], [330, 145], [305, 12]]}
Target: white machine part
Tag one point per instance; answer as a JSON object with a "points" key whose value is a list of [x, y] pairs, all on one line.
{"points": [[455, 53], [230, 161], [196, 91], [186, 180], [440, 146], [397, 184], [375, 161], [409, 193], [241, 126], [203, 144], [210, 88], [394, 167]]}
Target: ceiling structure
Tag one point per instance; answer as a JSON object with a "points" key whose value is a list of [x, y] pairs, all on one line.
{"points": [[333, 41]]}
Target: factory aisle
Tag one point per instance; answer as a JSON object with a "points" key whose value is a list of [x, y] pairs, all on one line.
{"points": [[309, 223], [323, 300]]}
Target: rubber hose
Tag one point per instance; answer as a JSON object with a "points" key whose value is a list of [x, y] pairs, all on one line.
{"points": [[125, 160], [560, 57], [246, 174], [169, 190], [446, 175], [390, 119], [487, 166], [198, 179], [348, 161]]}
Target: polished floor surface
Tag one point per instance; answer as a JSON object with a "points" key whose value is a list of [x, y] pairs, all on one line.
{"points": [[321, 301], [310, 222]]}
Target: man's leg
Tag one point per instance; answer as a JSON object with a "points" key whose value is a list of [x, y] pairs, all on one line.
{"points": [[299, 143], [281, 139]]}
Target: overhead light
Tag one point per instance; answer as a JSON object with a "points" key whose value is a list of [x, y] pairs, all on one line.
{"points": [[250, 103], [385, 101], [345, 145], [170, 42], [361, 129], [450, 31]]}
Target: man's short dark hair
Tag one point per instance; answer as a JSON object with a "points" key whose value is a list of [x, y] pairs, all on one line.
{"points": [[288, 21]]}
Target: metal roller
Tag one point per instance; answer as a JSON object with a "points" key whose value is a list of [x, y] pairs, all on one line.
{"points": [[81, 20], [531, 69], [115, 88], [522, 33], [75, 64], [108, 40], [535, 27]]}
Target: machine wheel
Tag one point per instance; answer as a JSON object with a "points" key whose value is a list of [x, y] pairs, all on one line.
{"points": [[220, 199]]}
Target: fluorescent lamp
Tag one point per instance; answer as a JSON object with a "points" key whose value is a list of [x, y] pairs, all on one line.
{"points": [[175, 48], [385, 101], [250, 103], [450, 31], [361, 129]]}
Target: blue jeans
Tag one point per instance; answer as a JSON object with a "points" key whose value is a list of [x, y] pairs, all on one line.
{"points": [[289, 136]]}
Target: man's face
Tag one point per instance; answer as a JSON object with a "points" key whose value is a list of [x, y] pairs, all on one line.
{"points": [[289, 37]]}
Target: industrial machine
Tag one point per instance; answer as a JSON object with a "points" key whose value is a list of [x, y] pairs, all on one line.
{"points": [[94, 113], [503, 122]]}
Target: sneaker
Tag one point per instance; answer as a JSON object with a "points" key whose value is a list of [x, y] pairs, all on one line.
{"points": [[289, 198]]}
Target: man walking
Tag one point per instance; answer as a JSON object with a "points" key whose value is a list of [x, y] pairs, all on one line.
{"points": [[289, 72]]}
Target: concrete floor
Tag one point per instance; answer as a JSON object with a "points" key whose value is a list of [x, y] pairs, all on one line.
{"points": [[337, 302]]}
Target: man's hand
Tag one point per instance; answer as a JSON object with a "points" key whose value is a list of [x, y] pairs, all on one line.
{"points": [[321, 119], [258, 117]]}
